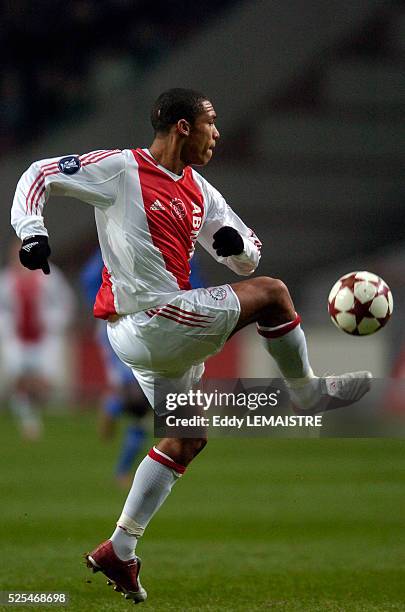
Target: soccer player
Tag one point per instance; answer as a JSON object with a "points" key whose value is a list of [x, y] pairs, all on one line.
{"points": [[35, 311], [151, 208]]}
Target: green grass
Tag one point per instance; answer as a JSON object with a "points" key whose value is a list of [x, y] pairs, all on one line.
{"points": [[284, 525]]}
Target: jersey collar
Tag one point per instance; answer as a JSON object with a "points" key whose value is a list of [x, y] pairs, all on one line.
{"points": [[146, 154]]}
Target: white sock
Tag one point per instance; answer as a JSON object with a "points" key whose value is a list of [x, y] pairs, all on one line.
{"points": [[287, 345], [153, 481], [24, 411]]}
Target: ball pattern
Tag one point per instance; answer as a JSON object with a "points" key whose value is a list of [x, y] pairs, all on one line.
{"points": [[360, 303]]}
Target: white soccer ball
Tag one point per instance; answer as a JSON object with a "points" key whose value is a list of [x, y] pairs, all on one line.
{"points": [[360, 303]]}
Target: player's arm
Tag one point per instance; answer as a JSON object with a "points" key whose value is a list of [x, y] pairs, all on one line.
{"points": [[93, 178], [226, 237]]}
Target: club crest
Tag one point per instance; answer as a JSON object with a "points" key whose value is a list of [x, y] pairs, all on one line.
{"points": [[218, 293], [178, 208]]}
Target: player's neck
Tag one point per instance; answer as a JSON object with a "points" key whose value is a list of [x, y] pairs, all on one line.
{"points": [[167, 154]]}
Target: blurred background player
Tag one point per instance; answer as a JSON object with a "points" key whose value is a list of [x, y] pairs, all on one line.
{"points": [[35, 312], [123, 395]]}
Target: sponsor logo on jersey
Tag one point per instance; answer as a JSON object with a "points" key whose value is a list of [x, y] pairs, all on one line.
{"points": [[196, 222], [218, 293], [178, 208], [70, 164], [157, 205]]}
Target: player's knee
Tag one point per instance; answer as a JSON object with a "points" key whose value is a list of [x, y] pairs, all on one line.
{"points": [[182, 450], [275, 291], [191, 448], [278, 307], [197, 445]]}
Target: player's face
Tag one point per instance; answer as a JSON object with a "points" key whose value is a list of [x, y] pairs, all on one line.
{"points": [[203, 135]]}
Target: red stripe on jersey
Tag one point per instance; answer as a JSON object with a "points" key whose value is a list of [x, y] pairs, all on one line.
{"points": [[99, 157], [39, 175], [41, 186], [281, 330], [256, 241], [53, 168], [37, 182], [85, 156], [174, 229], [104, 305], [38, 196], [180, 469]]}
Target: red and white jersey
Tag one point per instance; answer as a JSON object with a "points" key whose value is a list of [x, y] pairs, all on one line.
{"points": [[148, 221], [33, 306]]}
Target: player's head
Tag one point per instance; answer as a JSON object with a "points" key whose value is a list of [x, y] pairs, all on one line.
{"points": [[190, 116]]}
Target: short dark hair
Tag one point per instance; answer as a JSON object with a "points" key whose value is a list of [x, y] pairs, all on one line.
{"points": [[175, 104]]}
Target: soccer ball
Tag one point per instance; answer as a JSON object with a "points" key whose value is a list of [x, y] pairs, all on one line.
{"points": [[360, 303]]}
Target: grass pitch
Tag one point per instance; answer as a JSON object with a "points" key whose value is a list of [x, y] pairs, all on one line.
{"points": [[255, 524]]}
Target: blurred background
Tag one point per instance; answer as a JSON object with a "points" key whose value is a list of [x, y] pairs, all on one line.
{"points": [[310, 102]]}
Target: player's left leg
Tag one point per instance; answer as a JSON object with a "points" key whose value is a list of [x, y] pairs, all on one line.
{"points": [[267, 302]]}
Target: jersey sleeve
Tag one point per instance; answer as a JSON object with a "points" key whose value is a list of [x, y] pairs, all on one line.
{"points": [[93, 178], [220, 214]]}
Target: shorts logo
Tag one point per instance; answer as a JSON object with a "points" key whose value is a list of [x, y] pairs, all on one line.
{"points": [[218, 293], [178, 208], [69, 165]]}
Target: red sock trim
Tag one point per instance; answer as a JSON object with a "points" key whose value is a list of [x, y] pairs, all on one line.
{"points": [[281, 331], [167, 462]]}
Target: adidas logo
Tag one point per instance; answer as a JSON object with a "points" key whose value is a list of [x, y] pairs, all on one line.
{"points": [[28, 247], [157, 205]]}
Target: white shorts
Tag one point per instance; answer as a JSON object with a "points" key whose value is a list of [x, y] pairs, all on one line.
{"points": [[167, 345], [44, 358]]}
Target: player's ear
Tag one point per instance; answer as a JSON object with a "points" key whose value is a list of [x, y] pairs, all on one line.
{"points": [[183, 127]]}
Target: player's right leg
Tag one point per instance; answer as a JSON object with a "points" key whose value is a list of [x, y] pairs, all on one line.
{"points": [[137, 339], [26, 400], [266, 301], [153, 481], [23, 387]]}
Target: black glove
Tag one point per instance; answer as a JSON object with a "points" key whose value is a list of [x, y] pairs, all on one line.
{"points": [[228, 241], [34, 253]]}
